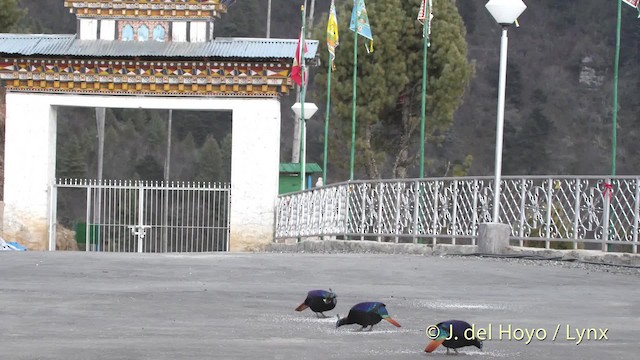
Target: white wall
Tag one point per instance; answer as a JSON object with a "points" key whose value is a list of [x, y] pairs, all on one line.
{"points": [[198, 31], [88, 29], [30, 156], [179, 31], [107, 29]]}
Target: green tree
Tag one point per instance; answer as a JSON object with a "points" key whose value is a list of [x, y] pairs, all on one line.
{"points": [[242, 19], [183, 155], [225, 148], [390, 80], [209, 161], [10, 14], [148, 168], [528, 142], [73, 162]]}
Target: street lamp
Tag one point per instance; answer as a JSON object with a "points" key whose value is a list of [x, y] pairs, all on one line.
{"points": [[304, 111], [505, 12]]}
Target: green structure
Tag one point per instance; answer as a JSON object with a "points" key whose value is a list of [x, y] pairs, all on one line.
{"points": [[290, 176]]}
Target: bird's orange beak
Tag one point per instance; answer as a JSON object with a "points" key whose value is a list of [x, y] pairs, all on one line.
{"points": [[301, 307], [395, 323], [433, 345]]}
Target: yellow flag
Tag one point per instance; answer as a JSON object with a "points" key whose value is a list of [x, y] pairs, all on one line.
{"points": [[332, 33]]}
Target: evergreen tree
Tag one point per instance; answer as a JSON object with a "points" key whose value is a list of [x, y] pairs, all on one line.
{"points": [[525, 150], [10, 15], [209, 161], [148, 168], [73, 162], [183, 156], [242, 19], [226, 158], [390, 79]]}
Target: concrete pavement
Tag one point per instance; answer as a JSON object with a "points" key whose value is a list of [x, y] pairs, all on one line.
{"points": [[75, 305]]}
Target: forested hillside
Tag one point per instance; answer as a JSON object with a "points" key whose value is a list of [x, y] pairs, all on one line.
{"points": [[558, 117]]}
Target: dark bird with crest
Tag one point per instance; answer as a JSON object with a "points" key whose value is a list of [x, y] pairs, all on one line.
{"points": [[319, 301], [452, 334], [367, 314]]}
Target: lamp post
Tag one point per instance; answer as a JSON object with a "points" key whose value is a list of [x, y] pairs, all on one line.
{"points": [[505, 12], [304, 111]]}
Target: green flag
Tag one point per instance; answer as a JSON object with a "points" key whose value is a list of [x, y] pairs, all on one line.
{"points": [[360, 22]]}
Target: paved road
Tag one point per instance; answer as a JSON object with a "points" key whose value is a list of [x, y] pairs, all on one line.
{"points": [[67, 305]]}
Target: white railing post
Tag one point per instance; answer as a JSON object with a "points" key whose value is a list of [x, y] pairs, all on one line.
{"points": [[636, 213], [454, 214], [605, 214], [547, 243], [523, 210], [416, 210], [88, 220], [140, 230], [378, 226], [474, 221], [52, 216], [363, 206], [436, 198], [576, 214], [396, 222]]}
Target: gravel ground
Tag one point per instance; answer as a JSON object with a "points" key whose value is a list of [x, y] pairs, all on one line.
{"points": [[586, 267], [74, 305]]}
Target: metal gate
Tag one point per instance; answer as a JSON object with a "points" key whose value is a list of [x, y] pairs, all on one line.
{"points": [[142, 216]]}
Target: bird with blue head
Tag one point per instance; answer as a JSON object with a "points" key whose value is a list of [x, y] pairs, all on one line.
{"points": [[367, 314], [319, 301], [452, 334]]}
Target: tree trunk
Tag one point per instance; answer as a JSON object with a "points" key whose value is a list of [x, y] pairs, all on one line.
{"points": [[403, 160], [370, 163]]}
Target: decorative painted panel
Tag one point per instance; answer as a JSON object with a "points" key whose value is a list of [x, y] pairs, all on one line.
{"points": [[146, 77], [191, 9]]}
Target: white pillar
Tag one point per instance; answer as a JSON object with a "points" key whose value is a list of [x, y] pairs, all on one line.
{"points": [[30, 163], [254, 173]]}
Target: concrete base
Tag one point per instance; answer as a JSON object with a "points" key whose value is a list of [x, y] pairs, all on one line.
{"points": [[493, 238], [368, 247]]}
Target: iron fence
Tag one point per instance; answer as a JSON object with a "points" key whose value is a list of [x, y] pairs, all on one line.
{"points": [[561, 211], [143, 216]]}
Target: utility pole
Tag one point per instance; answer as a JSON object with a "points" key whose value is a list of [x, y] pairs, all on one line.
{"points": [[167, 172], [269, 19], [310, 25], [295, 148]]}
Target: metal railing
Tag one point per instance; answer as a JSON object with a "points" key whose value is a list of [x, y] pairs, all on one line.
{"points": [[560, 211], [143, 216]]}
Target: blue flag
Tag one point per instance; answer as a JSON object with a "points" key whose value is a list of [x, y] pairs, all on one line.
{"points": [[360, 22]]}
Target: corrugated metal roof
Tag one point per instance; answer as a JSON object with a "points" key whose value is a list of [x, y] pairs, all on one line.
{"points": [[227, 48]]}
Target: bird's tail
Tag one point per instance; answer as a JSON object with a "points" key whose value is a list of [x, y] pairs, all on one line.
{"points": [[301, 307]]}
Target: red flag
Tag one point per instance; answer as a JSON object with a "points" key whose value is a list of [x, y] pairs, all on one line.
{"points": [[296, 70]]}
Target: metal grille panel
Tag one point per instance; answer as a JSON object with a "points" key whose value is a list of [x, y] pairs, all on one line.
{"points": [[142, 216]]}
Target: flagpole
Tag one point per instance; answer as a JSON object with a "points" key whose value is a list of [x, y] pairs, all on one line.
{"points": [[302, 99], [614, 139], [425, 35], [353, 112], [326, 124]]}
